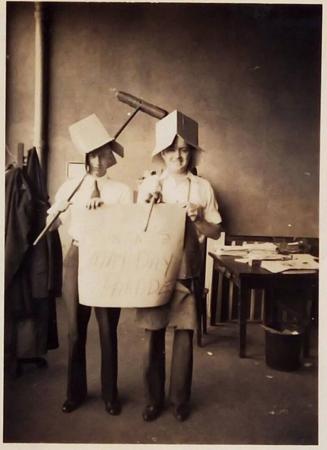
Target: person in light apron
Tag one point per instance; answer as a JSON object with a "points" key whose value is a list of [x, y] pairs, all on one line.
{"points": [[177, 148], [91, 139]]}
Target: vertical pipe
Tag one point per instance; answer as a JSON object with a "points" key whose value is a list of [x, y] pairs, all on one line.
{"points": [[219, 298], [263, 306], [39, 83], [230, 300]]}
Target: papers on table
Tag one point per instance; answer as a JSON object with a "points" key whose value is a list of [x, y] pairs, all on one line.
{"points": [[245, 249], [299, 262], [232, 250], [253, 257], [286, 331], [265, 255]]}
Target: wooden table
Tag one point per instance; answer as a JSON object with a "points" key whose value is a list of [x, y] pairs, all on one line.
{"points": [[245, 278]]}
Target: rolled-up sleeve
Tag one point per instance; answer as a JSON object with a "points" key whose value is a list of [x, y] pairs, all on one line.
{"points": [[211, 210], [62, 194], [148, 186]]}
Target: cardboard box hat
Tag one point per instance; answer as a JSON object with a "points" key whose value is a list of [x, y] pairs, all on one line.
{"points": [[89, 134], [175, 124]]}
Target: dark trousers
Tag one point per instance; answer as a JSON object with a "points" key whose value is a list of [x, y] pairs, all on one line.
{"points": [[181, 367], [78, 317]]}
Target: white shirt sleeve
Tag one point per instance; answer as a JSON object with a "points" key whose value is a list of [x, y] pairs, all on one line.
{"points": [[62, 194], [148, 186], [211, 211], [126, 195]]}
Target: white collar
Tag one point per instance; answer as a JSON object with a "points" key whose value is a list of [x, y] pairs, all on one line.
{"points": [[98, 179], [165, 174]]}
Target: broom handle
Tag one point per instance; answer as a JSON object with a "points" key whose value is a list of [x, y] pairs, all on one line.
{"points": [[149, 213], [49, 225]]}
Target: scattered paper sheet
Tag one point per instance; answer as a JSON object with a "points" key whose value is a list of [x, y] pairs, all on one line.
{"points": [[241, 250], [297, 264]]}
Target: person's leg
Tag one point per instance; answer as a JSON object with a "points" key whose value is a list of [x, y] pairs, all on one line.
{"points": [[77, 320], [76, 379], [181, 373], [154, 373], [108, 321]]}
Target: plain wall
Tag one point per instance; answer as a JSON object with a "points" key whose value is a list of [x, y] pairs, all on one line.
{"points": [[249, 74], [19, 76]]}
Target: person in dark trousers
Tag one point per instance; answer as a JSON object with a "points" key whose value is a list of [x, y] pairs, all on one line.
{"points": [[177, 148], [91, 139]]}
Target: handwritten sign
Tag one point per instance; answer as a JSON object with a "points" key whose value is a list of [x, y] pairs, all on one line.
{"points": [[120, 265]]}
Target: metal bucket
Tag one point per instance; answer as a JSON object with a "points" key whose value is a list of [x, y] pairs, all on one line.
{"points": [[283, 349]]}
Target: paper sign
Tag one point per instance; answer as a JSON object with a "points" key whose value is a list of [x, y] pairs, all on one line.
{"points": [[120, 265]]}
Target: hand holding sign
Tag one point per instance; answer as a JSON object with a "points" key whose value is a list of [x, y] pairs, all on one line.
{"points": [[194, 212]]}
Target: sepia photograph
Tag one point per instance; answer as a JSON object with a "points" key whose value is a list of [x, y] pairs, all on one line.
{"points": [[161, 223]]}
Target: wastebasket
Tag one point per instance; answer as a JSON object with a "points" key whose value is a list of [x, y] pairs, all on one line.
{"points": [[283, 349]]}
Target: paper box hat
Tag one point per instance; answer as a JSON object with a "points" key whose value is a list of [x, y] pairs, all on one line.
{"points": [[175, 124], [89, 134]]}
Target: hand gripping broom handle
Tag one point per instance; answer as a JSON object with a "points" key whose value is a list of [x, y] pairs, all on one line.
{"points": [[152, 201], [56, 216]]}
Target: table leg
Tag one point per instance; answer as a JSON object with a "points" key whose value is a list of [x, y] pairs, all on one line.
{"points": [[306, 343], [308, 314], [242, 311], [270, 314], [213, 296]]}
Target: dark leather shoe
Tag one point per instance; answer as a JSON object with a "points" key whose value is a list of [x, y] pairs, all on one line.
{"points": [[151, 412], [70, 405], [181, 412], [113, 408]]}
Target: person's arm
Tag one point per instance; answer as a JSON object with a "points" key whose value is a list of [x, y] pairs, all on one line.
{"points": [[196, 214], [149, 188], [206, 218], [60, 206], [210, 230]]}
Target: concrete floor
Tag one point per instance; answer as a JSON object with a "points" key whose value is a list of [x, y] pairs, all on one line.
{"points": [[235, 401]]}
